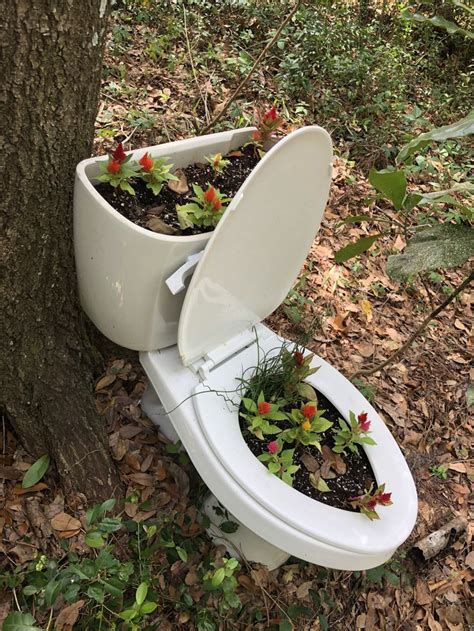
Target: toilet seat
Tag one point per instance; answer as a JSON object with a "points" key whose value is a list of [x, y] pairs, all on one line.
{"points": [[346, 530]]}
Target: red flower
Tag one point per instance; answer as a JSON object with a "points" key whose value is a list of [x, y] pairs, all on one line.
{"points": [[113, 166], [119, 154], [309, 411], [256, 135], [210, 194], [146, 162], [217, 204], [263, 407], [364, 424], [372, 503], [299, 358], [273, 447], [271, 115], [384, 498]]}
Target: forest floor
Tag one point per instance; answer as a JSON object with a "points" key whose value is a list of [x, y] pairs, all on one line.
{"points": [[361, 317]]}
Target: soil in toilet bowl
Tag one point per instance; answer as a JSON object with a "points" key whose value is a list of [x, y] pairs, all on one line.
{"points": [[145, 206], [354, 482]]}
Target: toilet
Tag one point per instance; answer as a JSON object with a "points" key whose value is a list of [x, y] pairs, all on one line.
{"points": [[245, 272]]}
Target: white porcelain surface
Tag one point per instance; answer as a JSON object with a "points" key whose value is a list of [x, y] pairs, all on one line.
{"points": [[208, 428], [121, 267], [260, 244]]}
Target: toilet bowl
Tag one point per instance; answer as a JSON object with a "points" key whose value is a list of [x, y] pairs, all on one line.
{"points": [[245, 272]]}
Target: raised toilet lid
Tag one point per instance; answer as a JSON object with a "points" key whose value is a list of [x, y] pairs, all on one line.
{"points": [[260, 244]]}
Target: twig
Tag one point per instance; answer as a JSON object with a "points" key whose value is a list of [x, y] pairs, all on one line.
{"points": [[460, 288], [244, 82], [192, 65]]}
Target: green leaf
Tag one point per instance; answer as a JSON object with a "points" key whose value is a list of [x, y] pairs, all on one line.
{"points": [[306, 391], [460, 128], [443, 246], [128, 614], [142, 591], [107, 506], [229, 527], [439, 22], [218, 577], [322, 486], [183, 555], [18, 621], [94, 539], [470, 396], [354, 249], [96, 592], [391, 184], [148, 607], [36, 472], [355, 219], [285, 625]]}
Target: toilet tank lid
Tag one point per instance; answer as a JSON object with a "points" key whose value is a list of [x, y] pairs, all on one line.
{"points": [[259, 245]]}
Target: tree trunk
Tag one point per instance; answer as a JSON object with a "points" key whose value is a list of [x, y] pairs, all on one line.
{"points": [[51, 61]]}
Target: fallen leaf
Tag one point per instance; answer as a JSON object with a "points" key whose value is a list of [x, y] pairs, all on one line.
{"points": [[24, 553], [68, 616], [469, 560], [181, 184], [63, 521], [158, 225], [19, 490], [337, 322], [155, 210], [422, 593], [366, 309], [460, 467], [145, 479], [331, 461], [105, 381], [365, 349], [310, 463], [235, 154]]}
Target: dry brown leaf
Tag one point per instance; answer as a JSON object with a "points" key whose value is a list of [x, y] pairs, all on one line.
{"points": [[67, 534], [310, 463], [105, 381], [155, 210], [191, 577], [145, 479], [460, 467], [130, 431], [5, 605], [331, 461], [23, 552], [365, 349], [158, 225], [181, 184], [63, 521], [337, 323], [422, 593], [68, 616], [469, 560], [19, 490]]}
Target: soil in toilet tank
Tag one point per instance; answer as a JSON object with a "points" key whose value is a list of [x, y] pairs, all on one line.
{"points": [[357, 478], [144, 206]]}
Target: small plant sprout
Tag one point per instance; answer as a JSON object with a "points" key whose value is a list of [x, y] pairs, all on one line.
{"points": [[348, 436], [297, 369], [118, 171], [260, 414], [309, 423], [267, 124], [155, 172], [279, 462], [206, 209], [366, 503], [217, 162], [221, 579], [440, 471]]}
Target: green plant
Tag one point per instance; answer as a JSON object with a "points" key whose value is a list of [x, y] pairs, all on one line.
{"points": [[351, 434], [155, 172], [206, 208], [118, 171], [309, 423], [279, 462], [260, 414], [36, 472], [367, 502], [217, 163], [134, 615], [440, 471], [221, 578]]}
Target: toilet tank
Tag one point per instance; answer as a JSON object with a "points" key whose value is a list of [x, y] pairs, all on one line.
{"points": [[121, 267]]}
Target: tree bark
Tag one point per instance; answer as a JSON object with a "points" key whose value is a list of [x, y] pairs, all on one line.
{"points": [[51, 60]]}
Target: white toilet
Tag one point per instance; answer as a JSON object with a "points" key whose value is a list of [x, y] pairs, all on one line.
{"points": [[250, 263], [246, 271]]}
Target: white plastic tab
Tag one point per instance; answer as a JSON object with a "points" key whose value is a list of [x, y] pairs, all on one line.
{"points": [[175, 282]]}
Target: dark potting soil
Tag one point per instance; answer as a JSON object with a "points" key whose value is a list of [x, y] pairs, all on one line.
{"points": [[354, 482], [145, 206]]}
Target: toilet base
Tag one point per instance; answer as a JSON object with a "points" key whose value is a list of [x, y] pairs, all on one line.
{"points": [[243, 543]]}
